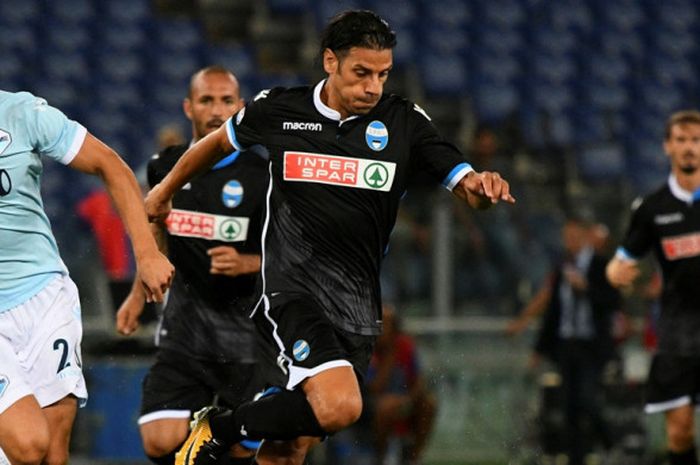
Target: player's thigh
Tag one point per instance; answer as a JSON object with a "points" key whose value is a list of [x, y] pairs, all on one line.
{"points": [[160, 437], [60, 417], [24, 431]]}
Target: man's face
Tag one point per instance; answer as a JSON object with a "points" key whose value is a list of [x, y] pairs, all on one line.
{"points": [[573, 237], [356, 79], [214, 97], [683, 147]]}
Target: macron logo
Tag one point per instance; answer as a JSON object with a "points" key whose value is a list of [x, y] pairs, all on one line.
{"points": [[297, 126]]}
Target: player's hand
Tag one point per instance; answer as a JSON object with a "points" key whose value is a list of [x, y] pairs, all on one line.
{"points": [[129, 313], [227, 261], [157, 206], [485, 188], [156, 274], [621, 273]]}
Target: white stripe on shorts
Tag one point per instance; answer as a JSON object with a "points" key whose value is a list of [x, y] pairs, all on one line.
{"points": [[667, 405], [164, 414]]}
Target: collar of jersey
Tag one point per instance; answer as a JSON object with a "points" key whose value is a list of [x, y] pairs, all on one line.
{"points": [[324, 109], [227, 160], [680, 193]]}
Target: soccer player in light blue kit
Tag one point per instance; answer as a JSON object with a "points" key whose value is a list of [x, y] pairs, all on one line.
{"points": [[41, 382]]}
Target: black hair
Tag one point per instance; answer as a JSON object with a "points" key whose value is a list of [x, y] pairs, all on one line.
{"points": [[357, 28]]}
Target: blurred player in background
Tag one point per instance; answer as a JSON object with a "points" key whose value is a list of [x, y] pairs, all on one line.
{"points": [[205, 338], [577, 332], [668, 222], [341, 155], [41, 380]]}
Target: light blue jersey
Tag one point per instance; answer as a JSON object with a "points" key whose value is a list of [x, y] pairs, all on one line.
{"points": [[29, 128]]}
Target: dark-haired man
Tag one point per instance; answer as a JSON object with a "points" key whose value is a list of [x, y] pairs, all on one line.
{"points": [[668, 221], [341, 154], [205, 338]]}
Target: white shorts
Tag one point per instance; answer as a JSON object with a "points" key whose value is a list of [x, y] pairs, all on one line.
{"points": [[40, 347]]}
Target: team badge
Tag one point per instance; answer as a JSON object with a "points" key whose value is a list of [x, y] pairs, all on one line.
{"points": [[232, 194], [377, 136], [301, 350], [5, 140], [4, 382]]}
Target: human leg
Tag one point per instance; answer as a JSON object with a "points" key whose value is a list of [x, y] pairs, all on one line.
{"points": [[422, 420], [680, 435], [24, 432], [60, 417]]}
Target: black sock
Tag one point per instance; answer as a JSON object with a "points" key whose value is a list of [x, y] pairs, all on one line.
{"points": [[167, 459], [687, 457], [282, 416]]}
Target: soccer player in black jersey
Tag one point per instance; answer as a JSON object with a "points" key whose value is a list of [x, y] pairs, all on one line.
{"points": [[341, 154], [205, 338], [668, 222]]}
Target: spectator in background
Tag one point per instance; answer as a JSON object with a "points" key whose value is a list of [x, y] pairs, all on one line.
{"points": [[169, 135], [577, 333], [41, 380], [398, 400]]}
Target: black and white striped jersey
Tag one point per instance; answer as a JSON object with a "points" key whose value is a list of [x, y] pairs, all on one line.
{"points": [[334, 193]]}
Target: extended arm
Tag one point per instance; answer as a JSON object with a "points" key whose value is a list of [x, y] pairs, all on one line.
{"points": [[153, 267], [481, 190], [195, 160]]}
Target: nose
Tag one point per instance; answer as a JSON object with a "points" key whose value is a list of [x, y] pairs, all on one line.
{"points": [[374, 85], [218, 109]]}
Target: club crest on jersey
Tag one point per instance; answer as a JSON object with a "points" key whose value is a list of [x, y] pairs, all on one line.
{"points": [[301, 350], [377, 136], [359, 173], [4, 382], [232, 194], [5, 140]]}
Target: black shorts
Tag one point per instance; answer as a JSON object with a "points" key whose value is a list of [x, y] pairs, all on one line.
{"points": [[297, 341], [177, 386], [674, 381]]}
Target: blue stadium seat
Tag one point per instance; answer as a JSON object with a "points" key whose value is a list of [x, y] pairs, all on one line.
{"points": [[495, 101], [601, 162], [399, 13], [551, 40], [59, 93], [658, 97], [670, 69], [64, 65], [326, 9], [239, 59], [499, 66], [71, 11], [622, 14], [288, 7], [443, 75], [406, 47], [18, 38], [21, 13], [442, 38], [551, 67], [128, 11], [504, 13], [667, 13], [175, 66], [608, 96], [120, 65], [606, 67], [553, 97], [446, 13], [570, 14], [119, 95], [679, 43], [179, 34], [68, 37], [499, 39], [123, 37], [619, 42]]}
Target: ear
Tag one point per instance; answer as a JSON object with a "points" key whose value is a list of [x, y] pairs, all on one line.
{"points": [[187, 108], [667, 150], [330, 61]]}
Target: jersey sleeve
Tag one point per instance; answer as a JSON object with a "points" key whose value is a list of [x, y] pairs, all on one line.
{"points": [[432, 154], [640, 234], [246, 128], [50, 132]]}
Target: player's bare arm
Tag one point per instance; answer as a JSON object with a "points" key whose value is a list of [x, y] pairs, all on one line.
{"points": [[153, 267], [197, 159], [481, 190], [621, 273], [226, 260], [129, 312]]}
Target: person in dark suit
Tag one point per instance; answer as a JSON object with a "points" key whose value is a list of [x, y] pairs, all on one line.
{"points": [[576, 333]]}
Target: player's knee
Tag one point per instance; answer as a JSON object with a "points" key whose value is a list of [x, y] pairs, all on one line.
{"points": [[160, 446], [680, 436], [30, 450], [56, 457], [339, 411]]}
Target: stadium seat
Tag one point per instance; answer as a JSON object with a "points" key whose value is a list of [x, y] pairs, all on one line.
{"points": [[601, 162], [70, 12], [571, 14], [443, 74], [495, 101], [68, 37], [399, 13], [24, 13], [179, 34], [552, 40], [446, 13], [120, 65], [123, 37], [238, 58], [551, 67], [288, 7], [504, 13], [128, 11], [64, 65], [326, 9], [441, 38]]}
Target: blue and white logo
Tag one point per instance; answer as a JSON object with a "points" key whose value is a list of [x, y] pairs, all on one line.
{"points": [[376, 135], [301, 350], [232, 194], [4, 382]]}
